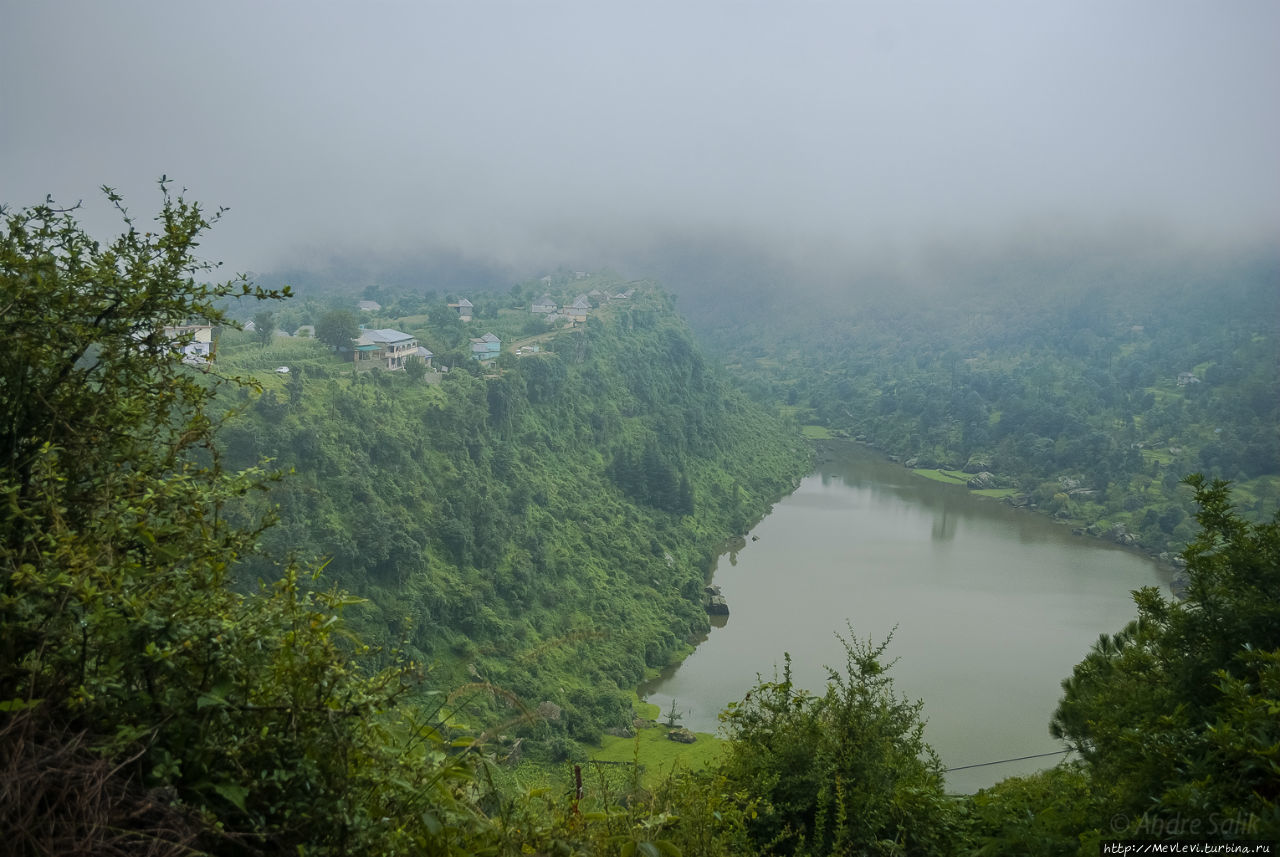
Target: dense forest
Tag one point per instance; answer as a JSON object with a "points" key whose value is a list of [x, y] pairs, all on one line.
{"points": [[546, 521], [1084, 385], [251, 611]]}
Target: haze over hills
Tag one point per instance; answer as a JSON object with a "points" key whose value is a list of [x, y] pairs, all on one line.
{"points": [[537, 526], [1031, 245], [825, 137]]}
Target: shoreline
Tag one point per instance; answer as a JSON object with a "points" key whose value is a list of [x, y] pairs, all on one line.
{"points": [[732, 544], [1078, 527]]}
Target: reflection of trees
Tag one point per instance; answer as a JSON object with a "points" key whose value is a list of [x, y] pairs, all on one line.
{"points": [[889, 482], [944, 526]]}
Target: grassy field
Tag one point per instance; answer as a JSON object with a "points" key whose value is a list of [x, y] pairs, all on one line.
{"points": [[950, 477], [658, 755], [995, 492], [956, 477]]}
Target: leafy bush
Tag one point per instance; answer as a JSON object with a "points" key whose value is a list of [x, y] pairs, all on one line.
{"points": [[844, 772]]}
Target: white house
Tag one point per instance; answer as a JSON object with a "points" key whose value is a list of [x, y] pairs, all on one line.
{"points": [[195, 341], [384, 348]]}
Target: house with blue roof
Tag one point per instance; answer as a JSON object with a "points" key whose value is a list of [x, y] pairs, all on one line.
{"points": [[486, 348]]}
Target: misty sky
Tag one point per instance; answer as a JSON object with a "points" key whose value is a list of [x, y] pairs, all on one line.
{"points": [[580, 133]]}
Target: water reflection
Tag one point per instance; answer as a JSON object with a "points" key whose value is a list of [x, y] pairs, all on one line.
{"points": [[992, 606], [944, 526]]}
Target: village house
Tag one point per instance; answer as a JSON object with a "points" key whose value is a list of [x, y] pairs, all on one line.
{"points": [[578, 310], [368, 306], [464, 308], [197, 342], [543, 304], [486, 348], [384, 349]]}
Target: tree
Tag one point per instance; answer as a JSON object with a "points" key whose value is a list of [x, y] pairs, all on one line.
{"points": [[674, 715], [842, 773], [145, 706], [337, 328], [264, 326], [1175, 715], [415, 368], [294, 386]]}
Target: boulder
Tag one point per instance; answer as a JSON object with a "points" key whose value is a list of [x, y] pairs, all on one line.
{"points": [[682, 735], [982, 481], [1121, 535], [977, 463], [717, 606]]}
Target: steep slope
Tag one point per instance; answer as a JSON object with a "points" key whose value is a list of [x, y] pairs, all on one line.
{"points": [[545, 524]]}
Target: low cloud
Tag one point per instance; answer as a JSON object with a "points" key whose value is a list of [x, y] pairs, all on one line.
{"points": [[816, 136]]}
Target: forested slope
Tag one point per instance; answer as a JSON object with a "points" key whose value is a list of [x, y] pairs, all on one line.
{"points": [[544, 524], [147, 706], [1087, 387]]}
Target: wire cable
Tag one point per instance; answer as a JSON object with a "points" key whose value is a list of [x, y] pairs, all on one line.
{"points": [[1002, 761]]}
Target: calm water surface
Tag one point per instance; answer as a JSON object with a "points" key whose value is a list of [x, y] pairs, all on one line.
{"points": [[992, 607]]}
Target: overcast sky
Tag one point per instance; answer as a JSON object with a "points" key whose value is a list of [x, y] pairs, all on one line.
{"points": [[580, 133]]}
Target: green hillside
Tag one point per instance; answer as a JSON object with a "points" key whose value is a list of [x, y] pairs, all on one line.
{"points": [[1084, 387], [531, 537], [544, 523]]}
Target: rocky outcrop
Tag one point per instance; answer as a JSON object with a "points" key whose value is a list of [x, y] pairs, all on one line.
{"points": [[681, 735], [717, 606], [982, 481], [1121, 535]]}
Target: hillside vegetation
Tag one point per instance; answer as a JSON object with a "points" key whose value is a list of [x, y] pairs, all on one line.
{"points": [[537, 531], [1084, 387], [545, 524]]}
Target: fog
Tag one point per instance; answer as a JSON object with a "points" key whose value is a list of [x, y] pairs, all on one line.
{"points": [[377, 139]]}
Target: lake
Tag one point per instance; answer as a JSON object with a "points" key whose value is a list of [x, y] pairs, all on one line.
{"points": [[989, 606]]}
